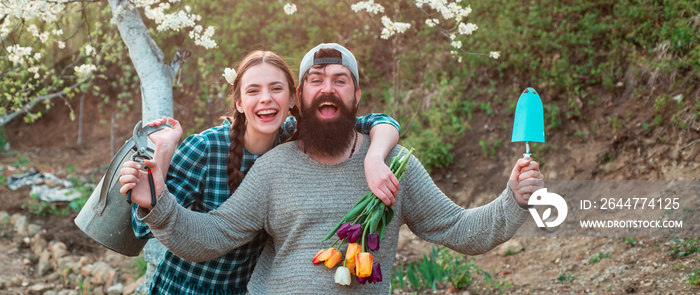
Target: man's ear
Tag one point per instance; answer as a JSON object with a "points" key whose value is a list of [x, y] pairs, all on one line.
{"points": [[358, 95], [293, 99]]}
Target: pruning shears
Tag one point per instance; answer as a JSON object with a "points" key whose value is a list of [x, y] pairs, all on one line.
{"points": [[140, 138]]}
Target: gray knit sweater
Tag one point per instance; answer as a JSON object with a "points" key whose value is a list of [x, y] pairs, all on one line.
{"points": [[297, 200]]}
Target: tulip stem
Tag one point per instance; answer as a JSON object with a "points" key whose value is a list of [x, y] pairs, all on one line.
{"points": [[336, 240], [364, 236]]}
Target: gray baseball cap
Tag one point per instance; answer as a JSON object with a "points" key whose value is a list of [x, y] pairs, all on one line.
{"points": [[347, 60]]}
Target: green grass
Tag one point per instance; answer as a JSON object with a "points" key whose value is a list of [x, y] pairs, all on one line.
{"points": [[694, 278], [598, 256], [565, 278], [442, 268], [684, 247]]}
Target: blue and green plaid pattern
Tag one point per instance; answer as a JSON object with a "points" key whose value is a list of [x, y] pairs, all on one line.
{"points": [[197, 177]]}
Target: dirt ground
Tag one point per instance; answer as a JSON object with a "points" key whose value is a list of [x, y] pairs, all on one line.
{"points": [[580, 149]]}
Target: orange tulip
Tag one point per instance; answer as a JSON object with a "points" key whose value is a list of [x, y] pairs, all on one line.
{"points": [[364, 264], [317, 257], [351, 266], [335, 257], [353, 250]]}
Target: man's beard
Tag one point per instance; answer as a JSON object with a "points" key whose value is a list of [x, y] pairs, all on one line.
{"points": [[324, 137]]}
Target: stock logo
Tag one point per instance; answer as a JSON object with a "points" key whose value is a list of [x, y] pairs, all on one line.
{"points": [[542, 197]]}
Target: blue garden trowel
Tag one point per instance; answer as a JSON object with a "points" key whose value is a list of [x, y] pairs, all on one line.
{"points": [[529, 120]]}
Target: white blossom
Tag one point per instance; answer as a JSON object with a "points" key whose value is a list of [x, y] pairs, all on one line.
{"points": [[678, 98], [43, 37], [230, 75], [146, 3], [431, 22], [16, 54], [84, 70], [495, 54], [61, 44], [467, 29], [290, 8], [35, 70], [203, 39], [456, 44], [368, 6], [4, 31], [32, 29], [57, 32], [32, 9], [89, 50], [391, 28]]}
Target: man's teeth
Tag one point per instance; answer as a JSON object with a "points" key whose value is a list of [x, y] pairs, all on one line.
{"points": [[327, 104], [266, 112]]}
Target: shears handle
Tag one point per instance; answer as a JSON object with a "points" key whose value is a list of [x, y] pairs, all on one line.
{"points": [[151, 186]]}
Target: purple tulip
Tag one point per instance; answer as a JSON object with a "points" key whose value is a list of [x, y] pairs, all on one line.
{"points": [[376, 275], [373, 242], [343, 230], [361, 281], [354, 233]]}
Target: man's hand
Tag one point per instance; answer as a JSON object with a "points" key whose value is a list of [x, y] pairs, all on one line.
{"points": [[525, 179], [380, 180], [134, 179]]}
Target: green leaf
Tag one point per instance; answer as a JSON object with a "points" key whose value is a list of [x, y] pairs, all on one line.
{"points": [[411, 276], [377, 214]]}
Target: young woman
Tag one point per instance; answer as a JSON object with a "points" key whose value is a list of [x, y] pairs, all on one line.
{"points": [[207, 167]]}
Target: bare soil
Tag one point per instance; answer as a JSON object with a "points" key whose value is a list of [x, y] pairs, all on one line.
{"points": [[589, 147]]}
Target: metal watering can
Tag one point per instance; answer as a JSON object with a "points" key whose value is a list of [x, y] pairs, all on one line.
{"points": [[106, 216]]}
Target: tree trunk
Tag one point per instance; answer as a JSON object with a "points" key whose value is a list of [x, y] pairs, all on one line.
{"points": [[156, 77]]}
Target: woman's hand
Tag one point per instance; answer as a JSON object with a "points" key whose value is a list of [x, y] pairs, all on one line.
{"points": [[134, 179], [380, 180], [166, 138], [525, 179], [166, 141]]}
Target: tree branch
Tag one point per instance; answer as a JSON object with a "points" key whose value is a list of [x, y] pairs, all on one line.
{"points": [[180, 57], [28, 107]]}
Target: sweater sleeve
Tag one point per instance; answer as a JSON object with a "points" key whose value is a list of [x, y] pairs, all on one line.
{"points": [[431, 215], [197, 236], [185, 178]]}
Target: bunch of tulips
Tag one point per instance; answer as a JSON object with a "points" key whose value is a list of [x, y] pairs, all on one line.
{"points": [[362, 227]]}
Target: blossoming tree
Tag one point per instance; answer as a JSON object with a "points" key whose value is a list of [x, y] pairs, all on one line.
{"points": [[35, 35]]}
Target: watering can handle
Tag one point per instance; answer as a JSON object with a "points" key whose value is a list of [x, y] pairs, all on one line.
{"points": [[111, 174]]}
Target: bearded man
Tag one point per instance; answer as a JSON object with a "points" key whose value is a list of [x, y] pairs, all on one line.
{"points": [[299, 190]]}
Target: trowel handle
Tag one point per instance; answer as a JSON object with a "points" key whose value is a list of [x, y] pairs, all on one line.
{"points": [[128, 197], [527, 154]]}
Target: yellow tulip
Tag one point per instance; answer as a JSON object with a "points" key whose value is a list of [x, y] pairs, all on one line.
{"points": [[364, 264], [353, 250]]}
